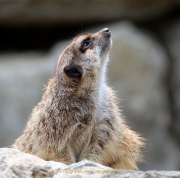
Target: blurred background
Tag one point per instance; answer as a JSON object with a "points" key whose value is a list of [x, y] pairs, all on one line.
{"points": [[144, 65]]}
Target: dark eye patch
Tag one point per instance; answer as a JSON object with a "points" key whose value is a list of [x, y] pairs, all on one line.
{"points": [[85, 44], [73, 71]]}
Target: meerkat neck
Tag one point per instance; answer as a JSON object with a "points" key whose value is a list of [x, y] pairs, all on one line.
{"points": [[102, 82]]}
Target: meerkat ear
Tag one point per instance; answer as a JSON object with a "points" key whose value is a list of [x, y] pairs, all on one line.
{"points": [[73, 71]]}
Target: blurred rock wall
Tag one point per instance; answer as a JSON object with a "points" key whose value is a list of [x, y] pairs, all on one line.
{"points": [[144, 69], [35, 12]]}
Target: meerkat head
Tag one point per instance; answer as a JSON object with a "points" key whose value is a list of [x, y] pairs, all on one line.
{"points": [[85, 57]]}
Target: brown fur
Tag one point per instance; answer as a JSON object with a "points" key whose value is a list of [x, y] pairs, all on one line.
{"points": [[78, 118]]}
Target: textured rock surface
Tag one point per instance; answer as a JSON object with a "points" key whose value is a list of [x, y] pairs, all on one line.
{"points": [[14, 163], [70, 12]]}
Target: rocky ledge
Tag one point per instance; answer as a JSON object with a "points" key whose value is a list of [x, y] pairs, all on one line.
{"points": [[14, 163]]}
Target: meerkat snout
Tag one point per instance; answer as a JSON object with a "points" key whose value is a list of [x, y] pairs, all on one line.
{"points": [[73, 71], [106, 32]]}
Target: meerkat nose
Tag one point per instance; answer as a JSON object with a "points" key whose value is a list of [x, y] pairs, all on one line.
{"points": [[106, 32]]}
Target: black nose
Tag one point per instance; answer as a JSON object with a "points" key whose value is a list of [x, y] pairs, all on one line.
{"points": [[106, 32], [73, 71]]}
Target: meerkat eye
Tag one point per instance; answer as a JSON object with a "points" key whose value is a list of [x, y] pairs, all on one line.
{"points": [[85, 44]]}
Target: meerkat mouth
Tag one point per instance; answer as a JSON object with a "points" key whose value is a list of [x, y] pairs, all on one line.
{"points": [[106, 40], [107, 46], [108, 43]]}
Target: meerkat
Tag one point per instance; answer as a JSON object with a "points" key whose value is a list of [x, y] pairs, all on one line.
{"points": [[78, 117]]}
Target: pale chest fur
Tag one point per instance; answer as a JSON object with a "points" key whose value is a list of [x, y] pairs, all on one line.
{"points": [[74, 115], [94, 126], [82, 120]]}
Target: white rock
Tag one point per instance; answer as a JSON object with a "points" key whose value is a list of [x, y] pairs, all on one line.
{"points": [[16, 164]]}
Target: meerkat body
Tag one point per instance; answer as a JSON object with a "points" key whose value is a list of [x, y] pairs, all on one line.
{"points": [[78, 117]]}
